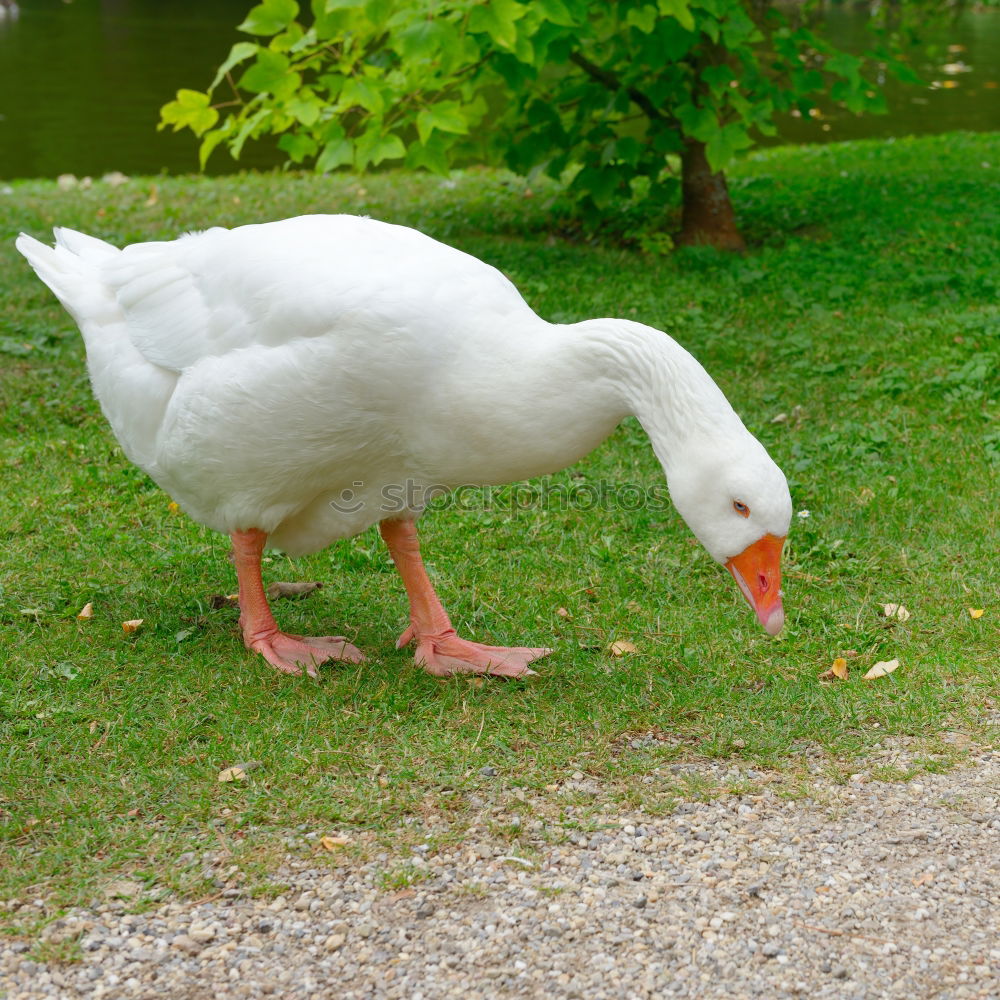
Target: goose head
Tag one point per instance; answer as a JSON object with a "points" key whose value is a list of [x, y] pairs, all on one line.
{"points": [[735, 499]]}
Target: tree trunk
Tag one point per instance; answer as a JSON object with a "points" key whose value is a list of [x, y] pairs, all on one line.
{"points": [[707, 215]]}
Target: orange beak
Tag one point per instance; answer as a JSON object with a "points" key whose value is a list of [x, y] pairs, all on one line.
{"points": [[757, 570]]}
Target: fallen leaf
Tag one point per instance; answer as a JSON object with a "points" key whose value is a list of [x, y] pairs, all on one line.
{"points": [[837, 671], [217, 601], [896, 611], [976, 612], [880, 669], [174, 507], [86, 612], [622, 647], [562, 612], [278, 590], [333, 843], [154, 196], [132, 626], [238, 772], [924, 879]]}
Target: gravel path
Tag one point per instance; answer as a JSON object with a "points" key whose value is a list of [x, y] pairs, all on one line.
{"points": [[860, 890]]}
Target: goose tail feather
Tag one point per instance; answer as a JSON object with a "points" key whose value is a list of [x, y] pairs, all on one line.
{"points": [[71, 269]]}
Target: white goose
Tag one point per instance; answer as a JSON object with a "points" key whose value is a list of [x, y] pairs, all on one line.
{"points": [[286, 382]]}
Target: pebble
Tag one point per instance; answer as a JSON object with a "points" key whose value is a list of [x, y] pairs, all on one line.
{"points": [[841, 891]]}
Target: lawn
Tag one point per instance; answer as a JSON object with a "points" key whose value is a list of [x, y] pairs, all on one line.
{"points": [[859, 339]]}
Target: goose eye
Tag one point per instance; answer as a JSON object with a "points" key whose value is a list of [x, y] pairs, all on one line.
{"points": [[741, 508]]}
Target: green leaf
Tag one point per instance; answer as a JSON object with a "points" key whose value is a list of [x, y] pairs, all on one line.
{"points": [[305, 108], [298, 147], [427, 39], [498, 20], [336, 153], [718, 78], [208, 145], [555, 11], [432, 155], [446, 116], [246, 130], [725, 144], [271, 73], [679, 10], [600, 183], [643, 18], [374, 147], [699, 123], [359, 92], [270, 17], [191, 110], [845, 65], [240, 52]]}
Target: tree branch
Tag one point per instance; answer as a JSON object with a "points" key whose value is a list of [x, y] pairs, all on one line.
{"points": [[611, 81]]}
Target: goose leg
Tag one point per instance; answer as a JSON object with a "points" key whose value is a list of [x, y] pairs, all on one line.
{"points": [[440, 651], [287, 653]]}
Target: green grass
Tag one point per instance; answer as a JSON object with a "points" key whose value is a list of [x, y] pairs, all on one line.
{"points": [[866, 312]]}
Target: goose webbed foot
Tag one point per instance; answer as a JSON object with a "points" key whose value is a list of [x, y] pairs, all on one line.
{"points": [[291, 654], [445, 654]]}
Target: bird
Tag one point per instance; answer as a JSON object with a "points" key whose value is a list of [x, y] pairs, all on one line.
{"points": [[294, 382]]}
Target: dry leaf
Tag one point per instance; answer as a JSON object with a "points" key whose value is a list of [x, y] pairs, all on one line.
{"points": [[562, 612], [217, 601], [837, 671], [976, 612], [622, 647], [896, 611], [238, 772], [132, 626], [174, 507], [880, 669], [278, 590], [924, 879], [333, 843], [86, 612]]}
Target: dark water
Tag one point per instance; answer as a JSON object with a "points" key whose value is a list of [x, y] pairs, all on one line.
{"points": [[81, 84]]}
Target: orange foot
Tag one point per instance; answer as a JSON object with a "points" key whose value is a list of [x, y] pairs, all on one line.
{"points": [[445, 654], [291, 653]]}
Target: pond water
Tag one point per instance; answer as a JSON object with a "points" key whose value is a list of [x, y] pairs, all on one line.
{"points": [[82, 81]]}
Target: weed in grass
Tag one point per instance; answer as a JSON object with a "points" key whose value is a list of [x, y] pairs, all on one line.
{"points": [[403, 877], [64, 951]]}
